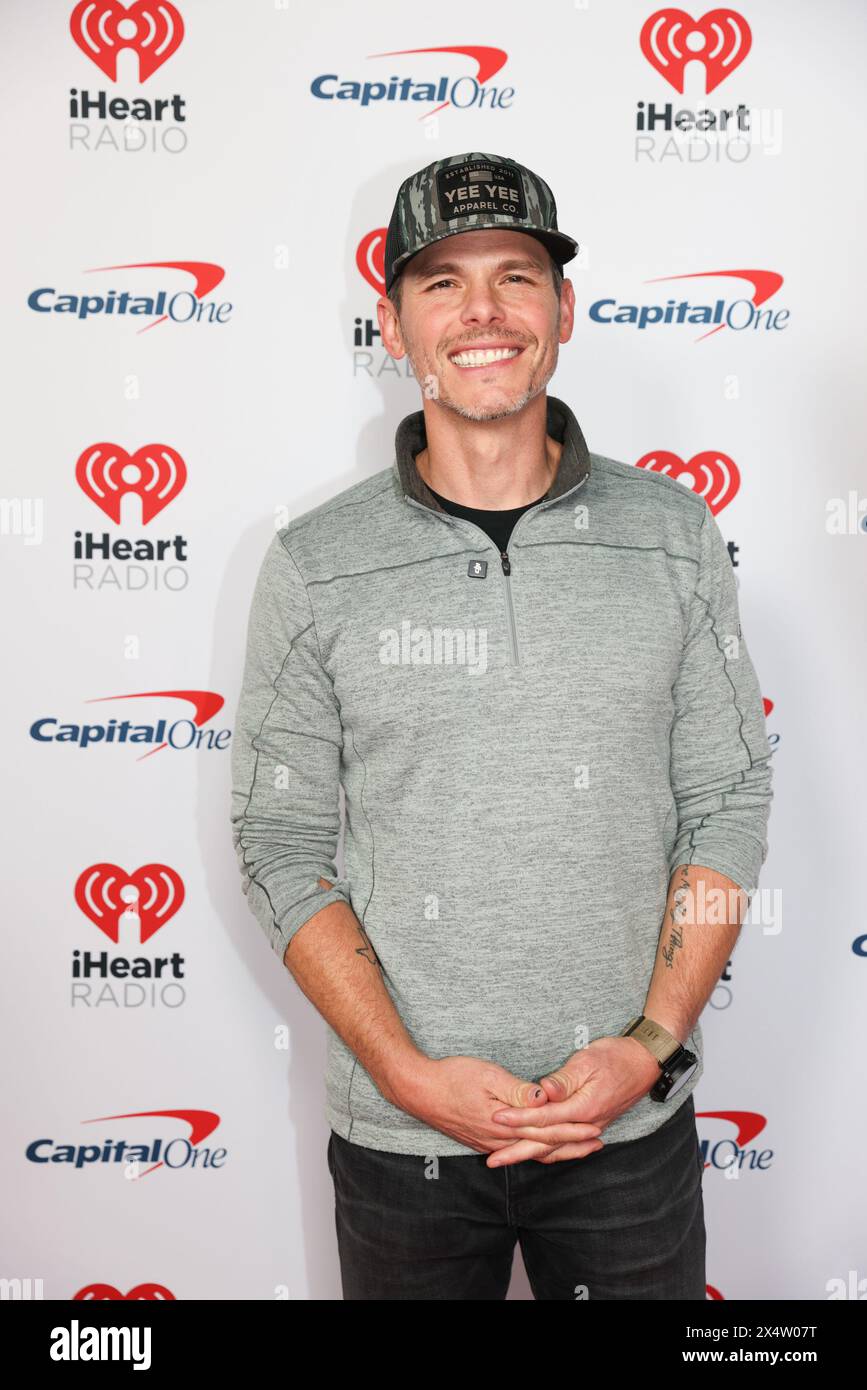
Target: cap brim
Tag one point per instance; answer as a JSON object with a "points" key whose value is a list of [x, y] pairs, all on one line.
{"points": [[563, 248]]}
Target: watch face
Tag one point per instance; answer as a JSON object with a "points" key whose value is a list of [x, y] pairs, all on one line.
{"points": [[681, 1080], [675, 1074]]}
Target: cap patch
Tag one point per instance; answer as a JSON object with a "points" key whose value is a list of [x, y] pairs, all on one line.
{"points": [[480, 188]]}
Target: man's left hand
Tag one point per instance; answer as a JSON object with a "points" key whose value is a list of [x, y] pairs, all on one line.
{"points": [[594, 1086]]}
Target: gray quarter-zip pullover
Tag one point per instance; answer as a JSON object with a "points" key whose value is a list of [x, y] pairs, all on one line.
{"points": [[529, 745]]}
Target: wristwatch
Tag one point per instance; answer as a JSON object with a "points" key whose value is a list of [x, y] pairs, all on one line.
{"points": [[676, 1062]]}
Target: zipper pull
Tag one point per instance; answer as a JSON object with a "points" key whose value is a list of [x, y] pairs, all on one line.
{"points": [[504, 557]]}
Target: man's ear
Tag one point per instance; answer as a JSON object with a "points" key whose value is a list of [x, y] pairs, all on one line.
{"points": [[389, 327], [567, 311]]}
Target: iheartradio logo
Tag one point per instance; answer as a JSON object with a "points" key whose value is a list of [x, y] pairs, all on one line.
{"points": [[369, 356], [710, 475], [370, 258], [102, 28], [720, 41], [92, 1293], [141, 902], [107, 473]]}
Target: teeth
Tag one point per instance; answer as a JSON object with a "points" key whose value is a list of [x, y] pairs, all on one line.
{"points": [[480, 358]]}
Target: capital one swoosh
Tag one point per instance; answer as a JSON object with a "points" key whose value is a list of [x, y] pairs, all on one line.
{"points": [[488, 61], [206, 274], [764, 283], [206, 704], [201, 1123], [747, 1122]]}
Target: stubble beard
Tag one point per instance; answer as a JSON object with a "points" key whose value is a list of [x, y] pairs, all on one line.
{"points": [[538, 381]]}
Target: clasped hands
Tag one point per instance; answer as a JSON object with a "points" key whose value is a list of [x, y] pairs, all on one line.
{"points": [[588, 1092], [488, 1108]]}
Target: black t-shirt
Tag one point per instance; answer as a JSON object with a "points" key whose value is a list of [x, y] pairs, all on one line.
{"points": [[498, 524]]}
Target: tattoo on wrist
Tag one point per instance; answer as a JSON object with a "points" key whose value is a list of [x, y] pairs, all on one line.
{"points": [[675, 940]]}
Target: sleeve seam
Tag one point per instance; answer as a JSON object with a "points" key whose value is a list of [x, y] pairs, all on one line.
{"points": [[701, 548], [297, 569], [713, 627]]}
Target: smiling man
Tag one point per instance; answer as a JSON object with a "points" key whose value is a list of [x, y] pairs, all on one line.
{"points": [[549, 852]]}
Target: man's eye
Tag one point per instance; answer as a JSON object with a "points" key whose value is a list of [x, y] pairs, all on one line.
{"points": [[513, 276]]}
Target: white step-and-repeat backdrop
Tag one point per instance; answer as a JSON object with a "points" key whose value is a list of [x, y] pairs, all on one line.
{"points": [[197, 196]]}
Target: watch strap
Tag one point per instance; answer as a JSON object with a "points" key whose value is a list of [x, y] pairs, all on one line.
{"points": [[655, 1038]]}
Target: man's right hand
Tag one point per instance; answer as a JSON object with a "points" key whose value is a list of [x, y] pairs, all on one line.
{"points": [[458, 1095]]}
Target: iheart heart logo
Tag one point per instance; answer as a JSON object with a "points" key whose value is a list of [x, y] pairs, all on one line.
{"points": [[720, 40], [107, 473], [148, 898], [91, 1292], [101, 28], [713, 476], [370, 258]]}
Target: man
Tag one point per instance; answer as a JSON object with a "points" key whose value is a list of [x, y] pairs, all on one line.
{"points": [[524, 663]]}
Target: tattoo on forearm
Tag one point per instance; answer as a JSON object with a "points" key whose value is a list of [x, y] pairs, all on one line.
{"points": [[677, 913], [367, 949]]}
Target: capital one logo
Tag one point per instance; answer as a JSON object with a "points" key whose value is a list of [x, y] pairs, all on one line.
{"points": [[158, 1152], [115, 900], [710, 475], [468, 90], [107, 474], [740, 315], [177, 306], [153, 29], [733, 1151], [720, 41], [177, 734]]}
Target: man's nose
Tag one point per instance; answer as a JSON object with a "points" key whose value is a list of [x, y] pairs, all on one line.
{"points": [[481, 304]]}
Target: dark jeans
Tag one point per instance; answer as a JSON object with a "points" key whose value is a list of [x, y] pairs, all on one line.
{"points": [[625, 1222]]}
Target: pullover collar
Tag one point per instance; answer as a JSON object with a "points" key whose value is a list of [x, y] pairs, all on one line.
{"points": [[574, 466]]}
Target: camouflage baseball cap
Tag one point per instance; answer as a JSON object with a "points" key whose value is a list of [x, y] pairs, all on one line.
{"points": [[468, 192]]}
